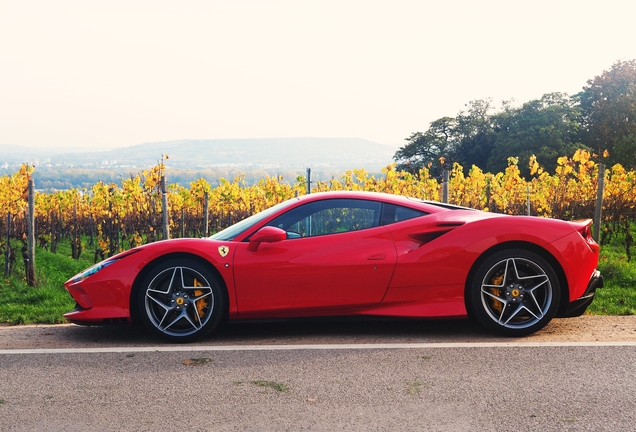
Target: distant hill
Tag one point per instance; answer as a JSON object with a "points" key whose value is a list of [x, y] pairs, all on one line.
{"points": [[342, 153], [210, 159], [282, 153], [11, 154]]}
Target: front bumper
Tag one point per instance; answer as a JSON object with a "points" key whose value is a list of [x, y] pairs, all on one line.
{"points": [[578, 306], [100, 316]]}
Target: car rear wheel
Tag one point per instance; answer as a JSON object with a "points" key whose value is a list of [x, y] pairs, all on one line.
{"points": [[514, 292], [181, 300]]}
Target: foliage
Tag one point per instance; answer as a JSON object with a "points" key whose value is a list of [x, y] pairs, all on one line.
{"points": [[619, 296], [13, 192], [477, 134], [546, 128], [608, 103], [22, 304], [466, 139], [601, 118], [430, 149], [108, 218]]}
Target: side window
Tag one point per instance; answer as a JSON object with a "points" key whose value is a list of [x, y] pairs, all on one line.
{"points": [[392, 213], [329, 217]]}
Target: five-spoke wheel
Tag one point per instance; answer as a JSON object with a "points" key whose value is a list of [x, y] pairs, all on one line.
{"points": [[515, 292], [180, 300]]}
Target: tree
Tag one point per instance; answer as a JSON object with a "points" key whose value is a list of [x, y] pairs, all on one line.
{"points": [[547, 128], [467, 139], [608, 105], [424, 150], [476, 134]]}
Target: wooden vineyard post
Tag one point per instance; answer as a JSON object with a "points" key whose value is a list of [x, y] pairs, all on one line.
{"points": [[599, 203], [445, 179], [164, 207], [7, 251], [30, 270], [206, 207], [182, 223]]}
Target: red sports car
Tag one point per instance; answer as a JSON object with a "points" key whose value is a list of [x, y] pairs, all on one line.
{"points": [[350, 253]]}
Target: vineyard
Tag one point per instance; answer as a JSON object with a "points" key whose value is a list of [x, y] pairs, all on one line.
{"points": [[108, 218]]}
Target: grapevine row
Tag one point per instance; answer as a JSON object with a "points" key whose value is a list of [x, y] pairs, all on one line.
{"points": [[108, 218]]}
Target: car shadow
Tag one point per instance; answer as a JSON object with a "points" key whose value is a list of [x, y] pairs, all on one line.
{"points": [[354, 330], [348, 330]]}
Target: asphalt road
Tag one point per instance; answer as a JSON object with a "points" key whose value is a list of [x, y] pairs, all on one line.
{"points": [[322, 376]]}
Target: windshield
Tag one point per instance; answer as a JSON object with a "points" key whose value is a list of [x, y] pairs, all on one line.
{"points": [[231, 232]]}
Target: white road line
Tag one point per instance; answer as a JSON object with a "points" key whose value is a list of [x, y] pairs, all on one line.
{"points": [[200, 348]]}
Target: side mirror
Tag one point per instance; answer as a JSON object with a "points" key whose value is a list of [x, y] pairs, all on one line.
{"points": [[268, 234]]}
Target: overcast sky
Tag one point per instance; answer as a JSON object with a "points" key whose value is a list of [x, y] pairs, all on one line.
{"points": [[106, 74]]}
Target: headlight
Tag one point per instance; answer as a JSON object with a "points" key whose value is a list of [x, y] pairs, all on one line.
{"points": [[102, 265], [92, 270]]}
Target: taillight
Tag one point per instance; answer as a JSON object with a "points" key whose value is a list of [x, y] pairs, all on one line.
{"points": [[584, 228], [586, 233]]}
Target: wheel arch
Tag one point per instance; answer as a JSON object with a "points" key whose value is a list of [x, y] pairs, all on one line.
{"points": [[542, 252], [134, 309]]}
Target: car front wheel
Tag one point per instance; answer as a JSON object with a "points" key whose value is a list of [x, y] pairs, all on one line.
{"points": [[181, 300], [514, 292]]}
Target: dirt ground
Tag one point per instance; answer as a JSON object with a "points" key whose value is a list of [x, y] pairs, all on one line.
{"points": [[587, 328]]}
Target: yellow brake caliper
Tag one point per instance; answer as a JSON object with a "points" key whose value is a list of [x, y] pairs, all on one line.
{"points": [[201, 303], [496, 304]]}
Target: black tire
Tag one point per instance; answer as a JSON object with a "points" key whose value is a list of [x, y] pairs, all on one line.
{"points": [[181, 300], [514, 292]]}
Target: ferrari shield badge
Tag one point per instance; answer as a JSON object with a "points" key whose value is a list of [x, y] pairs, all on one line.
{"points": [[223, 251]]}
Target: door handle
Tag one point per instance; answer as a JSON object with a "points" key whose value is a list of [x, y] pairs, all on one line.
{"points": [[376, 257]]}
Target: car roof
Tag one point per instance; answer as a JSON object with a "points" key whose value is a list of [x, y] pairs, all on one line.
{"points": [[425, 205]]}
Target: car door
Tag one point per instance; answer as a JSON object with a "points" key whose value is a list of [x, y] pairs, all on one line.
{"points": [[336, 256]]}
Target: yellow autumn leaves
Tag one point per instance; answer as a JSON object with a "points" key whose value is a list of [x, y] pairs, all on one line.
{"points": [[133, 207]]}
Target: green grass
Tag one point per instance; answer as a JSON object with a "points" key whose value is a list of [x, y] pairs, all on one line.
{"points": [[271, 384], [45, 303], [414, 387], [618, 297]]}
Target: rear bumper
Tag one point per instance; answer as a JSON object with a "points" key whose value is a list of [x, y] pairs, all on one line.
{"points": [[578, 306]]}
